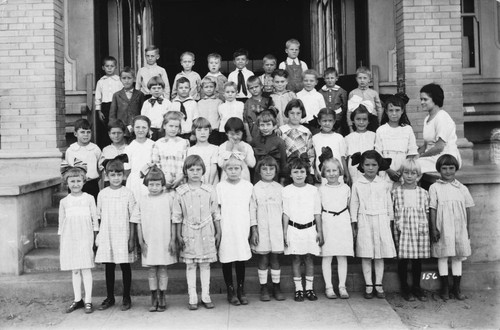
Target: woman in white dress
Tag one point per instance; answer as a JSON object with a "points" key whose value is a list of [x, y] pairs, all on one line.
{"points": [[439, 131]]}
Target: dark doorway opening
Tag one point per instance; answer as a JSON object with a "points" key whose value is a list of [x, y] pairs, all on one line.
{"points": [[222, 26]]}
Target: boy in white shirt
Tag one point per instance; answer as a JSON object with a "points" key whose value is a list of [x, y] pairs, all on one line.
{"points": [[293, 66], [156, 107], [240, 75], [185, 104], [109, 84], [312, 99]]}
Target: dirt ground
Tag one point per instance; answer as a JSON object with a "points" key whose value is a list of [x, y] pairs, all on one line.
{"points": [[479, 311]]}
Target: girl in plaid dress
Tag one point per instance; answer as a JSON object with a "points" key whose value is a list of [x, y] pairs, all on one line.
{"points": [[115, 241], [411, 228], [298, 139], [170, 151]]}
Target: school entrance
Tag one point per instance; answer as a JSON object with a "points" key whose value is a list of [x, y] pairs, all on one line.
{"points": [[331, 32]]}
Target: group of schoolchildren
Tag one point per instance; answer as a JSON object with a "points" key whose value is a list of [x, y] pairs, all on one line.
{"points": [[179, 179]]}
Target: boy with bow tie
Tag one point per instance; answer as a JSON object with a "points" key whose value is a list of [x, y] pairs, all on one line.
{"points": [[155, 107]]}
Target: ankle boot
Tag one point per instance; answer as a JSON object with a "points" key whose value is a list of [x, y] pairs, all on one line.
{"points": [[162, 306], [231, 296], [264, 293], [277, 292], [241, 295], [154, 301], [444, 293], [456, 288]]}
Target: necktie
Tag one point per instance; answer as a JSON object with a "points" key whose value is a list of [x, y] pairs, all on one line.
{"points": [[152, 101], [241, 83], [183, 109]]}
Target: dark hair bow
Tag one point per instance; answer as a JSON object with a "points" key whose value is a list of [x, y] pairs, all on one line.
{"points": [[326, 153], [358, 158], [77, 163], [122, 158]]}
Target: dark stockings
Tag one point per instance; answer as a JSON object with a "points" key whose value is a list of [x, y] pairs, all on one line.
{"points": [[416, 269], [110, 279], [227, 271]]}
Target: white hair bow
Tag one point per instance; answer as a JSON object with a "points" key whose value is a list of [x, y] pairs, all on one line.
{"points": [[354, 102]]}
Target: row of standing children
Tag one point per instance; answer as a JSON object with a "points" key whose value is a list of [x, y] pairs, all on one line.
{"points": [[301, 238]]}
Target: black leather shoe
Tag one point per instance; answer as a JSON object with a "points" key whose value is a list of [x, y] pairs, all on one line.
{"points": [[126, 304], [75, 305], [107, 303]]}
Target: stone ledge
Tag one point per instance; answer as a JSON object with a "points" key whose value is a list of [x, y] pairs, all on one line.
{"points": [[17, 185]]}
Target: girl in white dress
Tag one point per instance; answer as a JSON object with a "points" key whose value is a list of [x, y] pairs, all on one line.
{"points": [[328, 138], [266, 212], [360, 140], [235, 146], [156, 234], [77, 227], [170, 151], [336, 221], [208, 152], [372, 210], [139, 155], [234, 195], [395, 138], [116, 239], [302, 229]]}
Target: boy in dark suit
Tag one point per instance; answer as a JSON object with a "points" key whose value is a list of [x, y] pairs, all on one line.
{"points": [[126, 103]]}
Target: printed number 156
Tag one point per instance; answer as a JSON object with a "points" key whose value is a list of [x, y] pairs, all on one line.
{"points": [[428, 276]]}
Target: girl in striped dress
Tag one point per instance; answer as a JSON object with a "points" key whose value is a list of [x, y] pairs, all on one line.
{"points": [[298, 139], [411, 228]]}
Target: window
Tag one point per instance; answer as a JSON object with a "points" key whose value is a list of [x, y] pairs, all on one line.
{"points": [[470, 37]]}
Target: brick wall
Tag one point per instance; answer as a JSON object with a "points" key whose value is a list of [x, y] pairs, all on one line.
{"points": [[31, 75], [429, 49]]}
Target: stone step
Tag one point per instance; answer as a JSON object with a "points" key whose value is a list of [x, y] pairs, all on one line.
{"points": [[46, 238], [476, 276], [52, 216], [41, 260]]}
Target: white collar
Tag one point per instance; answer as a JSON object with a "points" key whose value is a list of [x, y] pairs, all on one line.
{"points": [[290, 61], [326, 89], [189, 98], [363, 179], [215, 75], [114, 77], [89, 147], [301, 128]]}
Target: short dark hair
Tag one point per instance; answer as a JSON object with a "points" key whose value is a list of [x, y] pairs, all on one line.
{"points": [[447, 159], [280, 73], [397, 100], [193, 160], [326, 112], [253, 79], [200, 122], [141, 117], [240, 52], [330, 70], [267, 116], [435, 92], [109, 58], [114, 165], [269, 57], [298, 163], [118, 123], [359, 158], [154, 174], [295, 103], [182, 80], [127, 69], [234, 124], [82, 124], [155, 81], [361, 109], [267, 161]]}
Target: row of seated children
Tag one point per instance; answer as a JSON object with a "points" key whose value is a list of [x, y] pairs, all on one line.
{"points": [[169, 153], [293, 79]]}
